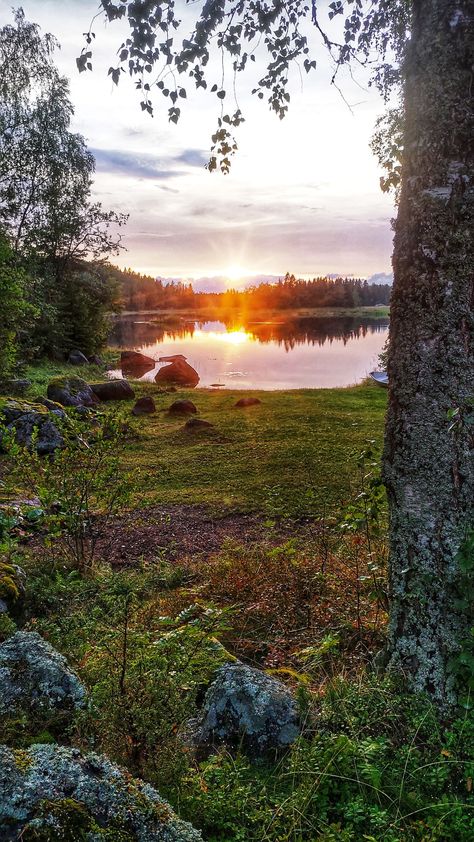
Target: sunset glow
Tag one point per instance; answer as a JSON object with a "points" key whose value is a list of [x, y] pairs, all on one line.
{"points": [[232, 337]]}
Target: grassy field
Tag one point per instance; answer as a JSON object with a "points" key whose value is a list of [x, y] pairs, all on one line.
{"points": [[295, 452]]}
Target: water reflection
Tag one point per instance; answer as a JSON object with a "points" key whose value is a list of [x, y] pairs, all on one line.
{"points": [[277, 353]]}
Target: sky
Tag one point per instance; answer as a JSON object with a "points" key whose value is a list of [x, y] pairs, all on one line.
{"points": [[302, 196]]}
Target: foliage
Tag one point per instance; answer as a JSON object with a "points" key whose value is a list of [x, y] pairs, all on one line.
{"points": [[84, 480], [234, 34], [16, 311], [45, 207], [141, 292], [387, 146], [381, 766]]}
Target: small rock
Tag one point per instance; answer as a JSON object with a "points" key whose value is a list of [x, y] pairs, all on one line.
{"points": [[15, 387], [35, 677], [95, 360], [196, 424], [242, 403], [77, 358], [71, 391], [144, 406], [54, 792], [53, 407], [244, 706], [182, 407], [113, 390]]}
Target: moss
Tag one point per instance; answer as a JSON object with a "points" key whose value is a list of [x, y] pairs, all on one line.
{"points": [[22, 759]]}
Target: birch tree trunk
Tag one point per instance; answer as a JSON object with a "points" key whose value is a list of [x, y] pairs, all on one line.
{"points": [[428, 469]]}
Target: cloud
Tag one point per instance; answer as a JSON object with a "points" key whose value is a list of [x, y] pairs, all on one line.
{"points": [[381, 278], [193, 158], [144, 165]]}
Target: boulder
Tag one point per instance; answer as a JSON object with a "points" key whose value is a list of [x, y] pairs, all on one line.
{"points": [[194, 425], [53, 792], [71, 391], [242, 403], [113, 390], [245, 707], [178, 372], [77, 358], [25, 419], [144, 406], [15, 387], [35, 677], [182, 408], [95, 360], [132, 359]]}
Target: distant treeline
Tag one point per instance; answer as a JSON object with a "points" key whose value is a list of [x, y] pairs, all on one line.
{"points": [[141, 292]]}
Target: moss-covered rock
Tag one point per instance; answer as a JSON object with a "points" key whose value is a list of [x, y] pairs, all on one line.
{"points": [[31, 422], [51, 793], [71, 391]]}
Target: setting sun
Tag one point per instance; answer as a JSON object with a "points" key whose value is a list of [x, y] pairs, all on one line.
{"points": [[235, 272]]}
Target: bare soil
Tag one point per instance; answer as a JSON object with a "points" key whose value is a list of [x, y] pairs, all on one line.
{"points": [[180, 531]]}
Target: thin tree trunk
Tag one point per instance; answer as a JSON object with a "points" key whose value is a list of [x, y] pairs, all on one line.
{"points": [[429, 471]]}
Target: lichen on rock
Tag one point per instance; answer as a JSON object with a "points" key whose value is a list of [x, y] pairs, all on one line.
{"points": [[36, 678], [245, 707], [51, 789]]}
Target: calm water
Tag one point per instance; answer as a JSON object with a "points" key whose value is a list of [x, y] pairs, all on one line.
{"points": [[283, 354]]}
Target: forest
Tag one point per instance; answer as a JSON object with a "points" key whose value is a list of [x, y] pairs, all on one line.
{"points": [[139, 292]]}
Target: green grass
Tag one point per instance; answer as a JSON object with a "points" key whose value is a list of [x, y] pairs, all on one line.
{"points": [[293, 454], [376, 312]]}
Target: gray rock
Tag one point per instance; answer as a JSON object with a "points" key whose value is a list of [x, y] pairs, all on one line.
{"points": [[245, 707], [53, 407], [35, 677], [24, 419], [113, 390], [71, 391], [15, 387], [77, 358], [3, 607], [33, 780]]}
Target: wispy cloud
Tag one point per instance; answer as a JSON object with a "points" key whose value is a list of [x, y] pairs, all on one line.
{"points": [[144, 165]]}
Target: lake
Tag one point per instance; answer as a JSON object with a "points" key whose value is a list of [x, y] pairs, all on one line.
{"points": [[281, 353]]}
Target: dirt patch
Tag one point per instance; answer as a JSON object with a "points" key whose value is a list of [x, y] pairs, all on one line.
{"points": [[179, 531]]}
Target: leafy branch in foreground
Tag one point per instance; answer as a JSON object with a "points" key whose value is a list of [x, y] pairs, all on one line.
{"points": [[79, 489], [227, 37]]}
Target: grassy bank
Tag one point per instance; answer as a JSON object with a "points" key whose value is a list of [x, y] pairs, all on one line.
{"points": [[215, 313]]}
